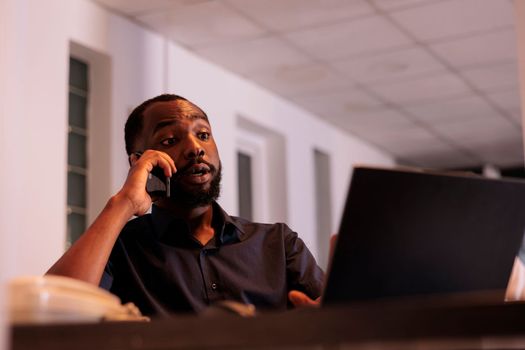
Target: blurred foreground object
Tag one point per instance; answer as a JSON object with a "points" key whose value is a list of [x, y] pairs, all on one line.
{"points": [[56, 299], [516, 287]]}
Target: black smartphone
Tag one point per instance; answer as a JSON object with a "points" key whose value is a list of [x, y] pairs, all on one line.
{"points": [[158, 185]]}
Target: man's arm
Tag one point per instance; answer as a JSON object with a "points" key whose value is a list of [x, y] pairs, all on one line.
{"points": [[300, 299], [86, 259]]}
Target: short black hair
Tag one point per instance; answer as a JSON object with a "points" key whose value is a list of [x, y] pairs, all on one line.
{"points": [[134, 123]]}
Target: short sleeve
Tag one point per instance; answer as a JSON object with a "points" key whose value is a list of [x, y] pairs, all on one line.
{"points": [[521, 253], [303, 273], [107, 277]]}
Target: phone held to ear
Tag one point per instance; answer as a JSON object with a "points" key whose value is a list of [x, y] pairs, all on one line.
{"points": [[157, 184]]}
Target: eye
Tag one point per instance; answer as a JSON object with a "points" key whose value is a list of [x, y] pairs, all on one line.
{"points": [[203, 136], [169, 141]]}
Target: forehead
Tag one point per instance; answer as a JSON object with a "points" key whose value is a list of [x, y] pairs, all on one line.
{"points": [[165, 110]]}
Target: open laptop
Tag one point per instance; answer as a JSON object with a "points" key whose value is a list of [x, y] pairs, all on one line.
{"points": [[411, 233]]}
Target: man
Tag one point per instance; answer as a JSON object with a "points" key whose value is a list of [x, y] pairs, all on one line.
{"points": [[188, 253]]}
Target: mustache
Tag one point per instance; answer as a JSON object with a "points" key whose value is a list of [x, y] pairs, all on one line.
{"points": [[181, 171]]}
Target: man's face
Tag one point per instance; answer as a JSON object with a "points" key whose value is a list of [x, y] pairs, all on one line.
{"points": [[181, 130]]}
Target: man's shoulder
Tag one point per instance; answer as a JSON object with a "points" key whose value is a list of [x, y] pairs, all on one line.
{"points": [[249, 223], [250, 228]]}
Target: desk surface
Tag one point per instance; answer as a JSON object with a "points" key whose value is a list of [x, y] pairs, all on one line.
{"points": [[430, 323]]}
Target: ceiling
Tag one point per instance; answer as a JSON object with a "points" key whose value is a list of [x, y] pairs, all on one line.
{"points": [[432, 82]]}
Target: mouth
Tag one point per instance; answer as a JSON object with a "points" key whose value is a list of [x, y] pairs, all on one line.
{"points": [[197, 170], [195, 174]]}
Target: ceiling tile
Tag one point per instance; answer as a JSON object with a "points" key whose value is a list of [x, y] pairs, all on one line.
{"points": [[474, 131], [452, 18], [493, 77], [372, 122], [299, 80], [498, 46], [399, 4], [362, 46], [516, 115], [344, 39], [508, 100], [394, 65], [135, 7], [452, 109], [252, 55], [363, 123], [429, 88], [339, 104], [225, 26], [285, 15], [410, 139]]}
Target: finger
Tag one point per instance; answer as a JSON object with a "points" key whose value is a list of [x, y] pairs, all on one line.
{"points": [[160, 159], [299, 299], [171, 163], [166, 165]]}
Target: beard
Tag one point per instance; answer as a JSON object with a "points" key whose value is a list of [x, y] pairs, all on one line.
{"points": [[197, 197]]}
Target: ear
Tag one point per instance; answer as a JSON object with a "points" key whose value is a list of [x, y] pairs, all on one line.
{"points": [[133, 157]]}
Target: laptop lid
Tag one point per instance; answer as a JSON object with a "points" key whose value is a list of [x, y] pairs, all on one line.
{"points": [[407, 233]]}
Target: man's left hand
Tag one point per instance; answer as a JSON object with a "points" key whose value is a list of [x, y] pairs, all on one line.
{"points": [[299, 299]]}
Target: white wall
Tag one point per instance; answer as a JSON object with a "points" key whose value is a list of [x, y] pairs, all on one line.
{"points": [[34, 63], [6, 40], [33, 137]]}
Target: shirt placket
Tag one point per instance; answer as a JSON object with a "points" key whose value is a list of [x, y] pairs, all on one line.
{"points": [[210, 280]]}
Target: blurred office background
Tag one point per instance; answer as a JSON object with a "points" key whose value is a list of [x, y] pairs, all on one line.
{"points": [[297, 91]]}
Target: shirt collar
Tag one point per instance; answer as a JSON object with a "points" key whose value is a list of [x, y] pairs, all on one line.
{"points": [[227, 230]]}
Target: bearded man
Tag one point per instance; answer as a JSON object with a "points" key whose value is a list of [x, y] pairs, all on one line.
{"points": [[188, 254]]}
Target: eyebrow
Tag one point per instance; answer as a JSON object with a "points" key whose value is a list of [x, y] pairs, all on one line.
{"points": [[162, 124]]}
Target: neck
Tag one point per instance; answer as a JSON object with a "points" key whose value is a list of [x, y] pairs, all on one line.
{"points": [[199, 219]]}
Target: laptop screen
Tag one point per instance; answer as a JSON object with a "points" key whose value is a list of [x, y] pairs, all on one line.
{"points": [[407, 233]]}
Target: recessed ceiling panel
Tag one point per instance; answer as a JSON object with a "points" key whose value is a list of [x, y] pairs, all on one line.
{"points": [[348, 38], [474, 131], [299, 80], [445, 19], [137, 7], [250, 56], [432, 87], [392, 65], [493, 77], [508, 99], [339, 104], [424, 80], [372, 122], [286, 15], [413, 137], [493, 47], [399, 4], [202, 24], [452, 109]]}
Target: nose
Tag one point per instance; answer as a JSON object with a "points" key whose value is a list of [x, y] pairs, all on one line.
{"points": [[193, 148]]}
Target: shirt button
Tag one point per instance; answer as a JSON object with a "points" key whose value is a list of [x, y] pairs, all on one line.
{"points": [[214, 286]]}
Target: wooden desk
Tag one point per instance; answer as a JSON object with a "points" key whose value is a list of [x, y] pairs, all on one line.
{"points": [[431, 323]]}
